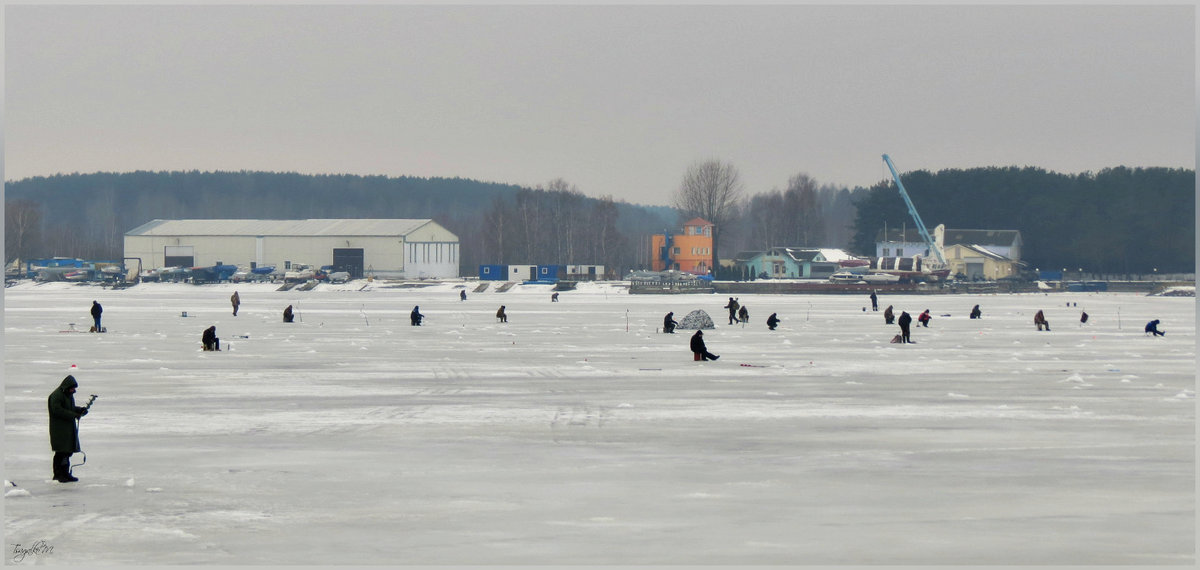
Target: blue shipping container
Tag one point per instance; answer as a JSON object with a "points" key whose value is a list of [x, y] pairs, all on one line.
{"points": [[493, 272]]}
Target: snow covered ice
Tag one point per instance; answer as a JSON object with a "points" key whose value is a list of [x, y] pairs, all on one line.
{"points": [[576, 434]]}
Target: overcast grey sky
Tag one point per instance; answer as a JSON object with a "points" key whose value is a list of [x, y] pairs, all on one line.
{"points": [[616, 99]]}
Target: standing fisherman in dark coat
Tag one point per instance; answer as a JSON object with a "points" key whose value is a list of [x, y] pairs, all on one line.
{"points": [[96, 311], [415, 316], [888, 315], [236, 301], [874, 302], [462, 295], [64, 433], [669, 323], [699, 349], [905, 322], [772, 322]]}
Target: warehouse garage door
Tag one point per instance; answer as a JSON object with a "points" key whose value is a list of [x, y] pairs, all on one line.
{"points": [[349, 260], [975, 271], [178, 256]]}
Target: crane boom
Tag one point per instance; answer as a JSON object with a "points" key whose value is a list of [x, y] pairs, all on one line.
{"points": [[912, 210]]}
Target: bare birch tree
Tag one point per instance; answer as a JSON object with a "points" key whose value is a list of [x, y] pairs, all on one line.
{"points": [[22, 229], [566, 214], [711, 189], [805, 211]]}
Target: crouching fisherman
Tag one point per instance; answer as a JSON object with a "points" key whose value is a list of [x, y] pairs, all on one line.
{"points": [[210, 340], [669, 323], [773, 321], [64, 427]]}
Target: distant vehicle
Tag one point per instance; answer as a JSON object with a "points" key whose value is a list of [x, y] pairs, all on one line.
{"points": [[850, 277], [881, 278], [668, 275], [300, 272], [339, 277], [13, 270], [846, 277], [263, 273], [174, 274]]}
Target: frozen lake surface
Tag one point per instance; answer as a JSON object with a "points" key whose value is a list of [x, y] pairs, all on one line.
{"points": [[576, 434]]}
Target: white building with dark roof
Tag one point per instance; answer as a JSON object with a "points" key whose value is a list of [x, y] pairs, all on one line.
{"points": [[395, 248], [906, 242]]}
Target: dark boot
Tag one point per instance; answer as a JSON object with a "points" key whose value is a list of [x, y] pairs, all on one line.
{"points": [[62, 468]]}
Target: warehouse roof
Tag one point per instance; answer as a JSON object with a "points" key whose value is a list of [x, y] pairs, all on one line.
{"points": [[981, 250], [982, 237], [317, 227]]}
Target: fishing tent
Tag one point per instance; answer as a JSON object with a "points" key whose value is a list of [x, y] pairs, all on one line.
{"points": [[697, 319]]}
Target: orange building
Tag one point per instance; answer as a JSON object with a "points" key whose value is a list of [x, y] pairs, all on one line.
{"points": [[690, 251]]}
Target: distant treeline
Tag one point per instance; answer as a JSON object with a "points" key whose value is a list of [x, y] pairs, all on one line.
{"points": [[1117, 221], [1120, 220], [87, 215]]}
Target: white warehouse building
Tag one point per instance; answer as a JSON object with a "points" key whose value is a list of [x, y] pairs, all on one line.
{"points": [[393, 248]]}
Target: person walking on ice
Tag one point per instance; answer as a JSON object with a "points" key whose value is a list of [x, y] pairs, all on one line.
{"points": [[236, 301], [462, 295], [64, 431], [699, 351], [733, 309]]}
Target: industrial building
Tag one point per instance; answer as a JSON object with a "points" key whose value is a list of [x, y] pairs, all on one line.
{"points": [[390, 248], [690, 251]]}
